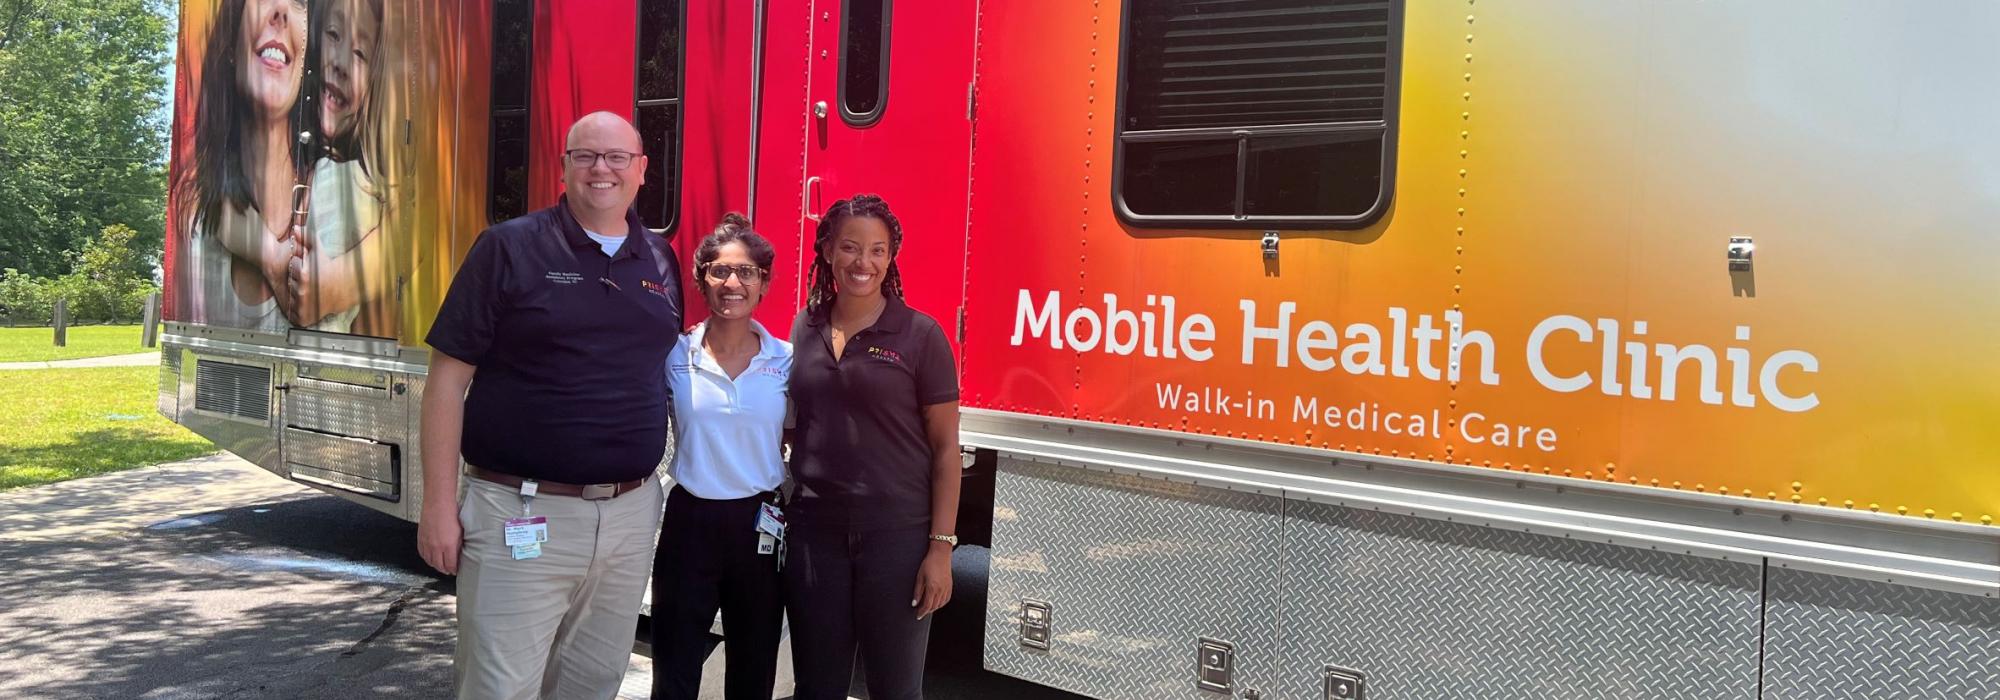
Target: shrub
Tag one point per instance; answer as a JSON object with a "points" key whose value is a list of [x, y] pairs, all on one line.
{"points": [[25, 299], [99, 287]]}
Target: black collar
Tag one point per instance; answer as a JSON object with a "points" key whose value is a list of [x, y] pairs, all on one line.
{"points": [[635, 230], [895, 316]]}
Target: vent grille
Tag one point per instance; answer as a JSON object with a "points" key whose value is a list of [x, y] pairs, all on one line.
{"points": [[1235, 63], [242, 391]]}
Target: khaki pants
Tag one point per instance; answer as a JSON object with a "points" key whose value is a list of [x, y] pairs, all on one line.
{"points": [[559, 626]]}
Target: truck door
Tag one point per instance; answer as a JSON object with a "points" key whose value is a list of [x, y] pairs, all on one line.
{"points": [[887, 103]]}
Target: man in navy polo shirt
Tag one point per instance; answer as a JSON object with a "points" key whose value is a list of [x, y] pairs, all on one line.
{"points": [[546, 366]]}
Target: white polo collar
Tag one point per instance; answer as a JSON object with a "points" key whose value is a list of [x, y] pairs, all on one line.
{"points": [[767, 346]]}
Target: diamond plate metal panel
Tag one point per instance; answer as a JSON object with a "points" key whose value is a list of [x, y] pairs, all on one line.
{"points": [[1831, 637], [169, 402], [413, 448], [1434, 609], [374, 414], [1135, 571], [349, 462]]}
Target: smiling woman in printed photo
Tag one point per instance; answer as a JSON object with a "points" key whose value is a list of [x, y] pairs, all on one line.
{"points": [[235, 202]]}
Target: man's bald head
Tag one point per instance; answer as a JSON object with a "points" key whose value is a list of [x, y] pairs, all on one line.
{"points": [[605, 126], [603, 167]]}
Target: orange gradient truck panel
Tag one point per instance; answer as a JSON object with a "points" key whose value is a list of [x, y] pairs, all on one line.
{"points": [[1549, 289]]}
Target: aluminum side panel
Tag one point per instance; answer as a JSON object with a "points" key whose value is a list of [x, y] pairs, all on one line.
{"points": [[253, 440], [1433, 609], [1830, 637], [1135, 570]]}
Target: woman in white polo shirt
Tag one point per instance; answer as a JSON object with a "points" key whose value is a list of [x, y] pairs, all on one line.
{"points": [[718, 548]]}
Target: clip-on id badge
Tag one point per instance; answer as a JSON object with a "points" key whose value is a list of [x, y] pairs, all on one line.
{"points": [[770, 528], [526, 534]]}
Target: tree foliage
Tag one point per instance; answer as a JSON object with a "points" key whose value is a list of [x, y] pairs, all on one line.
{"points": [[82, 133], [99, 286]]}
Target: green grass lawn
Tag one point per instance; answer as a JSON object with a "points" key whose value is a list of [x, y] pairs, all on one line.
{"points": [[38, 344], [61, 424]]}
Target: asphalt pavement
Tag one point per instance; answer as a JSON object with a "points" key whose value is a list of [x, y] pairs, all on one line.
{"points": [[213, 578]]}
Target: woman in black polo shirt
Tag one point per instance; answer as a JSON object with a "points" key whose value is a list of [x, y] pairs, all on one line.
{"points": [[876, 460]]}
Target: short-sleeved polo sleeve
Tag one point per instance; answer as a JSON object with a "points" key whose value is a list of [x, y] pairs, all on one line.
{"points": [[797, 336], [937, 372], [472, 306], [798, 327]]}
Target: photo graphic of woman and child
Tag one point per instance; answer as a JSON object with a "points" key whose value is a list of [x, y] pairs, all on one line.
{"points": [[281, 211]]}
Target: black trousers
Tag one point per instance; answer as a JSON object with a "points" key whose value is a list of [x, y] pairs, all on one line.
{"points": [[848, 590], [708, 560]]}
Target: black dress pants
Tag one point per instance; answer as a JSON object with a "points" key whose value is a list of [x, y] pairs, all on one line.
{"points": [[708, 560], [847, 590]]}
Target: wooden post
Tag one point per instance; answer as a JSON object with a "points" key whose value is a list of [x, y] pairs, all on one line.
{"points": [[61, 319], [150, 336]]}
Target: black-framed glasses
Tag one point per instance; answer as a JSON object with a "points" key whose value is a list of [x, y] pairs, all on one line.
{"points": [[718, 273], [615, 160]]}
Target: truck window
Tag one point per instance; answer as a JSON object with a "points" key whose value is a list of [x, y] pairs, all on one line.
{"points": [[656, 109], [864, 61], [507, 126], [1265, 113]]}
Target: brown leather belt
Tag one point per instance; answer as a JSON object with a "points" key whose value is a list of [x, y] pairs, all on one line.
{"points": [[588, 492]]}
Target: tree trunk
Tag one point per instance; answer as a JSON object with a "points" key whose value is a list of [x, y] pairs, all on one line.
{"points": [[14, 11]]}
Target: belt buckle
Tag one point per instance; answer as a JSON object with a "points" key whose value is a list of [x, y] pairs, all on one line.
{"points": [[599, 492]]}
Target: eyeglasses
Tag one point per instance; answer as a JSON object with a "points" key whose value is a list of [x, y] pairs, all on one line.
{"points": [[615, 160], [718, 273]]}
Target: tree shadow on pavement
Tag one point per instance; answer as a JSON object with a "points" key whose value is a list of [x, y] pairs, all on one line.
{"points": [[222, 603]]}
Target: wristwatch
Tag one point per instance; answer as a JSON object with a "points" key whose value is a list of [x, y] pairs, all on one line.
{"points": [[947, 539]]}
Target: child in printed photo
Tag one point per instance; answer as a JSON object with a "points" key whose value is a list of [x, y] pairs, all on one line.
{"points": [[343, 265]]}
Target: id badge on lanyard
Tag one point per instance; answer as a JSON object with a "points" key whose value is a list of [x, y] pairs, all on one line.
{"points": [[526, 534]]}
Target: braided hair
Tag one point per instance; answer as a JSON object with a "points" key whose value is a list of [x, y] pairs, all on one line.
{"points": [[819, 280]]}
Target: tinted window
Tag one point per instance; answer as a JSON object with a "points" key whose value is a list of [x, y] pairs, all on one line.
{"points": [[1181, 177], [513, 56], [657, 202], [864, 61], [1307, 173], [1275, 113], [508, 197], [656, 110], [659, 50]]}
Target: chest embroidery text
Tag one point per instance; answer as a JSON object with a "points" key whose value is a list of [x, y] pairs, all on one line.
{"points": [[883, 353]]}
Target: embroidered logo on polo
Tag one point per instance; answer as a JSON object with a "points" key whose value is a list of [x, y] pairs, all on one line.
{"points": [[659, 290], [778, 372], [563, 277], [882, 353]]}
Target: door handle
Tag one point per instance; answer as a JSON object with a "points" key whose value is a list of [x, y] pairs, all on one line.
{"points": [[819, 110], [811, 197]]}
